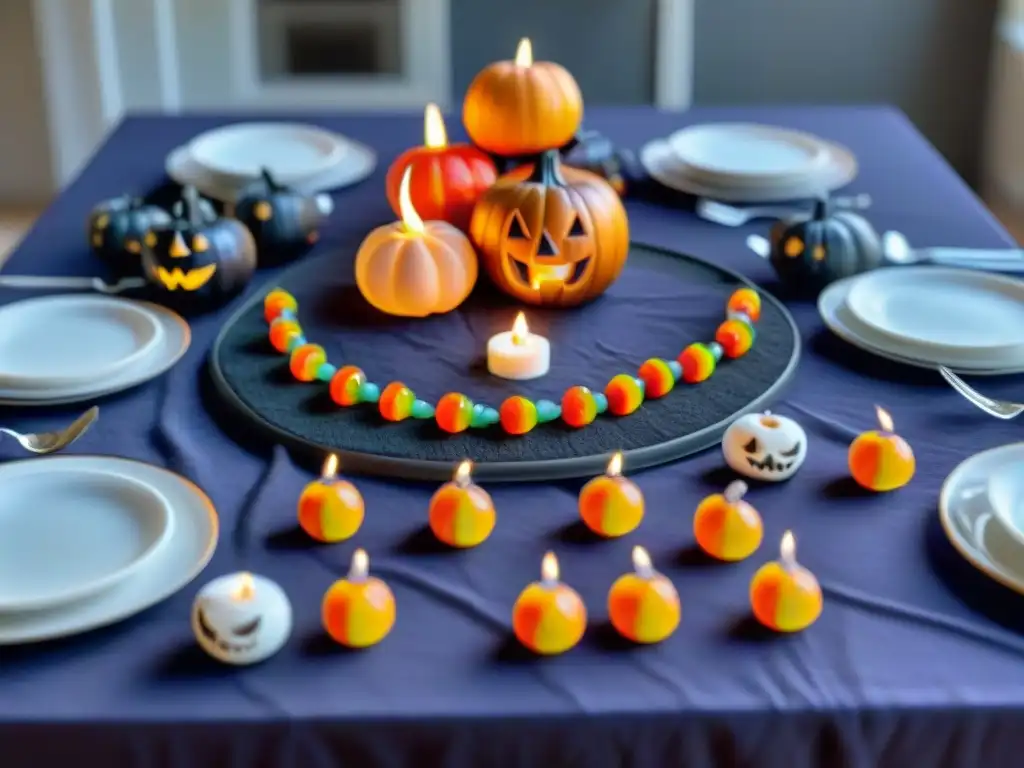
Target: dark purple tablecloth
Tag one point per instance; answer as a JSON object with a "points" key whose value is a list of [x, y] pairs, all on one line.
{"points": [[916, 660]]}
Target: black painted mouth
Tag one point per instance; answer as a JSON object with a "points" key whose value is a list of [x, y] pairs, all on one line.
{"points": [[210, 634], [571, 275], [769, 464]]}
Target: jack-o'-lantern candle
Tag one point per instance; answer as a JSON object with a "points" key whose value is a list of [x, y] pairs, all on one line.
{"points": [[881, 460], [331, 509], [446, 179], [611, 505], [359, 610], [522, 107], [549, 617], [643, 606], [461, 512], [784, 595], [726, 526]]}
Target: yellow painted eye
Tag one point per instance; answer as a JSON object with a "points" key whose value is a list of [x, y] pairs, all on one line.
{"points": [[794, 247], [818, 253], [200, 244], [102, 221], [151, 239], [263, 211]]}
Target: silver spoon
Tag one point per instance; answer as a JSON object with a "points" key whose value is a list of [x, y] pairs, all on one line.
{"points": [[71, 283], [1001, 409], [736, 216], [48, 442]]}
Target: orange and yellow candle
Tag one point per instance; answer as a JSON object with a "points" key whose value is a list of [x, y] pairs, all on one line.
{"points": [[881, 460], [611, 505], [727, 527], [359, 610], [784, 595], [549, 617], [461, 512], [643, 606], [331, 509]]}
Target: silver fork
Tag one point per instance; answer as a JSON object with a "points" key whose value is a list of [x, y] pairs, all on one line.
{"points": [[1001, 409], [71, 283], [49, 442]]}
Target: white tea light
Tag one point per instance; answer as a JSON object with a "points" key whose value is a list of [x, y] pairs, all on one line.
{"points": [[518, 354], [241, 618]]}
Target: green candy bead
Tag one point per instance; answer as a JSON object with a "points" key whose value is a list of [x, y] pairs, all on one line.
{"points": [[369, 392], [601, 402], [547, 411], [326, 371], [422, 410], [479, 418], [491, 415], [296, 341]]}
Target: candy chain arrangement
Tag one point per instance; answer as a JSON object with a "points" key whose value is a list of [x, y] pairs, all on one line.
{"points": [[517, 415]]}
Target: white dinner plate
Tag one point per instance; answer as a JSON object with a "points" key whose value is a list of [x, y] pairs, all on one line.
{"points": [[747, 154], [661, 164], [357, 164], [173, 342], [847, 326], [1006, 495], [67, 340], [181, 558], [970, 523], [290, 151], [973, 315], [68, 534]]}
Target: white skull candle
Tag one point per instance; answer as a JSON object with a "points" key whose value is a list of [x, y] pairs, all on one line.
{"points": [[241, 618], [765, 446]]}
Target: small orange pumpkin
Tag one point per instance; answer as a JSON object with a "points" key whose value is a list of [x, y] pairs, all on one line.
{"points": [[522, 107], [551, 235]]}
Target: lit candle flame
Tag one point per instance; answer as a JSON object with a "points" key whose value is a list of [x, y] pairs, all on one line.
{"points": [[520, 330], [330, 468], [884, 419], [411, 219], [524, 53], [642, 561], [360, 566], [549, 568], [615, 465], [462, 473], [245, 588], [787, 549], [434, 134]]}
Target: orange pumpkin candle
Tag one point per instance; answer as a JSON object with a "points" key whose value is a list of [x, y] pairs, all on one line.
{"points": [[461, 512], [611, 505], [445, 179], [359, 610], [549, 617], [727, 527], [784, 595], [331, 509], [522, 107], [643, 605], [881, 460]]}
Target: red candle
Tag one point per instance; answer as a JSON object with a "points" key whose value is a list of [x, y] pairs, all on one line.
{"points": [[446, 179]]}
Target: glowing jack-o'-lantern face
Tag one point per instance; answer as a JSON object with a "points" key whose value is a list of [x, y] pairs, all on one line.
{"points": [[558, 236], [241, 619], [765, 446]]}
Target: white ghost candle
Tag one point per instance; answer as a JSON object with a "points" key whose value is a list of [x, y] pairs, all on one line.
{"points": [[241, 618]]}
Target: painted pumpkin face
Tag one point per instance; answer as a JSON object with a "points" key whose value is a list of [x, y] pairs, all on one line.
{"points": [[116, 228], [765, 446], [283, 222], [559, 237], [241, 630]]}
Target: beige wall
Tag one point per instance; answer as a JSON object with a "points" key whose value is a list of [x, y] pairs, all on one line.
{"points": [[25, 173]]}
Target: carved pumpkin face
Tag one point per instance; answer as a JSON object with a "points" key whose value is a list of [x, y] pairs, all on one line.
{"points": [[765, 446], [284, 222], [241, 631], [560, 237], [116, 228]]}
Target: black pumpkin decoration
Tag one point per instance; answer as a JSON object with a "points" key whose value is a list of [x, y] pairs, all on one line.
{"points": [[198, 258], [284, 222], [116, 227], [809, 253]]}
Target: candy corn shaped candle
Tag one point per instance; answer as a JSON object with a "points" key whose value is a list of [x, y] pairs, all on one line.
{"points": [[643, 605], [358, 611], [881, 460], [461, 512], [549, 617], [784, 595], [727, 527], [611, 505], [330, 509]]}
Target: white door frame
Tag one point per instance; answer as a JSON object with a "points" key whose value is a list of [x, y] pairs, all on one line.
{"points": [[85, 97]]}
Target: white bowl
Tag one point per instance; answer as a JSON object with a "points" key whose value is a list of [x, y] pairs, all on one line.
{"points": [[1006, 495]]}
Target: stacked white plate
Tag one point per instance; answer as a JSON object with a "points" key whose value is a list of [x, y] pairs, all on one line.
{"points": [[221, 162], [971, 322], [741, 162], [71, 348], [86, 541]]}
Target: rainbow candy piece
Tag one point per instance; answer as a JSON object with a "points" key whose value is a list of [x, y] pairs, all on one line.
{"points": [[580, 406], [346, 384], [306, 361], [735, 336], [727, 527], [518, 415], [396, 401], [358, 614], [331, 510], [611, 505], [644, 610], [659, 377], [625, 394], [461, 516], [549, 619], [698, 362], [277, 302], [745, 301], [454, 413], [284, 332]]}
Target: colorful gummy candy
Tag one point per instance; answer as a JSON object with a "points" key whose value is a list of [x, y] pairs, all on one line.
{"points": [[454, 413], [625, 394], [658, 377], [306, 361], [579, 407], [698, 362], [745, 301], [396, 401], [518, 415], [346, 385], [736, 337], [283, 333], [278, 301]]}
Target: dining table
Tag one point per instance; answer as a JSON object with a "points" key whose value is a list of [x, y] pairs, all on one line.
{"points": [[916, 660]]}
